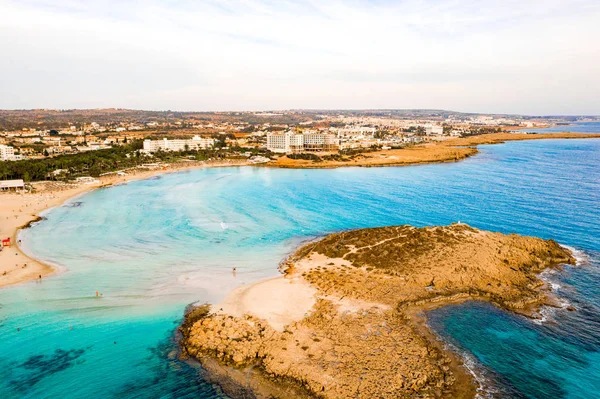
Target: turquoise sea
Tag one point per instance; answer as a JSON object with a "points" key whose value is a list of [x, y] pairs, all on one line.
{"points": [[152, 247]]}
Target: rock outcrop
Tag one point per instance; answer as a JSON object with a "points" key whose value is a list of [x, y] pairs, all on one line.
{"points": [[361, 338]]}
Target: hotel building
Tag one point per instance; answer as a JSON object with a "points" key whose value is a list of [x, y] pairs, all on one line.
{"points": [[293, 143], [7, 153], [196, 143]]}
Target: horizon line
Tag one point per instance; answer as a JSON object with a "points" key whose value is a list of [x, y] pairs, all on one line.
{"points": [[299, 110]]}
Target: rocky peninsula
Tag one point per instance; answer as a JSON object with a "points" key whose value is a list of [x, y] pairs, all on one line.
{"points": [[345, 320]]}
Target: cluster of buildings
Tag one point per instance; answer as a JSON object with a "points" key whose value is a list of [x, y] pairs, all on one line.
{"points": [[348, 137], [193, 144], [285, 132]]}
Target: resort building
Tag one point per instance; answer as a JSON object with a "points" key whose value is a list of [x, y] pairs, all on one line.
{"points": [[196, 143], [293, 143], [321, 142], [7, 153], [285, 143]]}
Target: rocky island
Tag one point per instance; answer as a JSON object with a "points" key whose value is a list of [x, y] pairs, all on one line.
{"points": [[346, 318]]}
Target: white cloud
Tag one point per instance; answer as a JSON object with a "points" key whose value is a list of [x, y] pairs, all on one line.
{"points": [[512, 56]]}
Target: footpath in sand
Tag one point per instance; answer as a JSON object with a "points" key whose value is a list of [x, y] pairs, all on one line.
{"points": [[345, 321]]}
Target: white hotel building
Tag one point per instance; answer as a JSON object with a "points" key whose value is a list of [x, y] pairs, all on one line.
{"points": [[7, 153], [293, 143], [288, 142], [196, 143]]}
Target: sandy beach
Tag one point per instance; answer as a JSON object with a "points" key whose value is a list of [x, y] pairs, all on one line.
{"points": [[17, 210]]}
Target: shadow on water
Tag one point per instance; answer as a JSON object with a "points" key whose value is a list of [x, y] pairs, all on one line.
{"points": [[38, 367]]}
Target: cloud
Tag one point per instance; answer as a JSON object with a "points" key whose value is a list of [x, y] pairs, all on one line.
{"points": [[268, 54]]}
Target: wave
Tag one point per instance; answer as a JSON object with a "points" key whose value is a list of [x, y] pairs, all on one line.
{"points": [[581, 257], [549, 276]]}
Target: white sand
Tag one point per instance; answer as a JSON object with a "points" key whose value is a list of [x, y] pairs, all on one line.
{"points": [[279, 300]]}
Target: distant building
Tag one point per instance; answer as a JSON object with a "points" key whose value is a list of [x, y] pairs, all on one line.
{"points": [[432, 130], [412, 139], [196, 143], [356, 131], [7, 153]]}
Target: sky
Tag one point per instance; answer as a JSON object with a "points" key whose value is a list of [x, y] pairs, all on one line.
{"points": [[535, 57]]}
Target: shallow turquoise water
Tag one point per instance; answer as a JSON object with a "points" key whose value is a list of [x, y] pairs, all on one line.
{"points": [[151, 247]]}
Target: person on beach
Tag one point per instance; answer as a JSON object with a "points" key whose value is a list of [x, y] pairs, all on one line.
{"points": [[234, 272]]}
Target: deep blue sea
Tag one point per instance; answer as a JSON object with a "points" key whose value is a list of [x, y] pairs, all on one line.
{"points": [[578, 127], [151, 247]]}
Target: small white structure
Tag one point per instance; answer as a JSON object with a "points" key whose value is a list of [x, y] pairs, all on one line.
{"points": [[6, 185]]}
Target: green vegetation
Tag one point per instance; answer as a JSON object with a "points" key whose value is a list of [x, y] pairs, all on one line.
{"points": [[95, 163], [92, 163], [306, 156], [475, 131]]}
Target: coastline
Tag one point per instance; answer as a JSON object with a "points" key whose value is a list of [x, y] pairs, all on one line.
{"points": [[13, 206]]}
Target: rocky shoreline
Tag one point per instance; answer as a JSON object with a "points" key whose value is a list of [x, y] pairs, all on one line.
{"points": [[364, 334]]}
